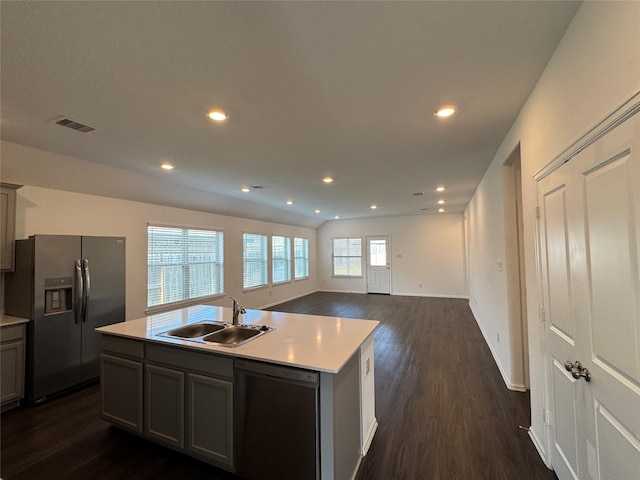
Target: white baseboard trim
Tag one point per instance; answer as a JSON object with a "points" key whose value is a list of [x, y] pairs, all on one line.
{"points": [[340, 291], [369, 439], [355, 471], [541, 451], [286, 300], [429, 295], [401, 294], [511, 386]]}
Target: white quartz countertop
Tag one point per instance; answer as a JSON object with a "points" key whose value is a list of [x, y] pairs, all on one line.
{"points": [[307, 341], [7, 320]]}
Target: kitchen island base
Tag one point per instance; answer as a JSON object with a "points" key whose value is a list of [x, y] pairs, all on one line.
{"points": [[187, 399]]}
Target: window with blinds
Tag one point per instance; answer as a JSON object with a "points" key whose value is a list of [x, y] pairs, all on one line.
{"points": [[281, 258], [347, 257], [255, 258], [301, 254], [183, 264]]}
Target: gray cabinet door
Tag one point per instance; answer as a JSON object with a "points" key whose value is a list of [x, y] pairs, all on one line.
{"points": [[165, 405], [7, 224], [12, 363], [121, 389], [210, 418]]}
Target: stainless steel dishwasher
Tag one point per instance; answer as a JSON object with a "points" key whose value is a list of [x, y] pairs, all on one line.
{"points": [[276, 422]]}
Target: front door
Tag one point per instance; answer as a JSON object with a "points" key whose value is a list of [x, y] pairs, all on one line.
{"points": [[590, 265], [378, 266]]}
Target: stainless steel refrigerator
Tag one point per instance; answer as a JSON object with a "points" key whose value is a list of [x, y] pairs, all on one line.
{"points": [[67, 286]]}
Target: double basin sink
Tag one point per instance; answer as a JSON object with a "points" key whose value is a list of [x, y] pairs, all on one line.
{"points": [[218, 333]]}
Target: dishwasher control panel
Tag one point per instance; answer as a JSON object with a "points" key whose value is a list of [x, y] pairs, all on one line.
{"points": [[278, 371]]}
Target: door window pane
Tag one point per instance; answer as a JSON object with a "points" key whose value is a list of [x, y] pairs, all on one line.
{"points": [[378, 253]]}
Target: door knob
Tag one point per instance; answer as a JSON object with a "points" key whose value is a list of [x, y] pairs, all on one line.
{"points": [[577, 370]]}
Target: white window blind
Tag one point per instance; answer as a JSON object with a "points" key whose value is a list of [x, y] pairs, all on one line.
{"points": [[254, 248], [183, 264], [281, 258], [347, 257], [301, 254]]}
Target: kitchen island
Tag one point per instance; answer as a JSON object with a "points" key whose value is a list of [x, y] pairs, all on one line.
{"points": [[295, 402]]}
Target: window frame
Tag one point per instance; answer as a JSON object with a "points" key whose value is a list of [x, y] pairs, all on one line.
{"points": [[304, 258], [334, 256], [218, 274], [263, 260], [286, 259]]}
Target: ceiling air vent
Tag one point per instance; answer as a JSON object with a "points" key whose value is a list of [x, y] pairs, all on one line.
{"points": [[418, 194], [256, 187], [65, 122]]}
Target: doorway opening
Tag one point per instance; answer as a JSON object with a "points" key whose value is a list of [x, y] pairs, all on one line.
{"points": [[515, 265]]}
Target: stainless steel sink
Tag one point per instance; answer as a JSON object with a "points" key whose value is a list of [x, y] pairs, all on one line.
{"points": [[218, 333], [194, 330], [234, 335]]}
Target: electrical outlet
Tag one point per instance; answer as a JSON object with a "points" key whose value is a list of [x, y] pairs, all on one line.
{"points": [[498, 337]]}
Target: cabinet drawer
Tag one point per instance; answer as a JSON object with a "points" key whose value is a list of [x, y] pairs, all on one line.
{"points": [[11, 333], [190, 360], [122, 346]]}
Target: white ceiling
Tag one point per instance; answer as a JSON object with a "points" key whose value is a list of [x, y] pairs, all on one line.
{"points": [[346, 89]]}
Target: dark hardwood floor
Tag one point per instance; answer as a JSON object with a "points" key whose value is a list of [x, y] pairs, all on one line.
{"points": [[442, 408]]}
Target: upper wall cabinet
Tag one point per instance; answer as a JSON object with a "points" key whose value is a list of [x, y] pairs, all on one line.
{"points": [[8, 224]]}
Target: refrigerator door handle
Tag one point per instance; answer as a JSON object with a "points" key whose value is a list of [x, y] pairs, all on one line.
{"points": [[87, 289], [78, 301]]}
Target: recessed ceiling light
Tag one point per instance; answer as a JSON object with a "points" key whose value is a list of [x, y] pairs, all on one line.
{"points": [[167, 166], [317, 210], [217, 115], [327, 179], [445, 112], [441, 210], [245, 189], [441, 201], [373, 207], [440, 188], [289, 202], [337, 217]]}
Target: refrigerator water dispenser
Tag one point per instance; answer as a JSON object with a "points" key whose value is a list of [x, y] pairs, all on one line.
{"points": [[58, 295]]}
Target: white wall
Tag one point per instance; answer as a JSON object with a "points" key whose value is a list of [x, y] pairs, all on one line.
{"points": [[49, 211], [426, 250], [594, 70], [488, 281]]}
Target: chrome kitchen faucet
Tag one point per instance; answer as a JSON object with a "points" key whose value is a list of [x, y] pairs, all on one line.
{"points": [[237, 309]]}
